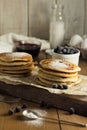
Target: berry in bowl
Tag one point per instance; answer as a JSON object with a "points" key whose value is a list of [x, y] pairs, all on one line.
{"points": [[67, 53]]}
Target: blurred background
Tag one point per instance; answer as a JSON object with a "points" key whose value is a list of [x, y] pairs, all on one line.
{"points": [[32, 17]]}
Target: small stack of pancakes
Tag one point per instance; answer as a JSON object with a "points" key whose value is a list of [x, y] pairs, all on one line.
{"points": [[58, 71], [16, 63]]}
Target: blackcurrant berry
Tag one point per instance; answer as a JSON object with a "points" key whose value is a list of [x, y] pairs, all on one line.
{"points": [[18, 109], [55, 85], [10, 112], [65, 87], [24, 106], [72, 110]]}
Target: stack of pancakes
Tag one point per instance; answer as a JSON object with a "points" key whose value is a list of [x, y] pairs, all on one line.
{"points": [[58, 71], [16, 63]]}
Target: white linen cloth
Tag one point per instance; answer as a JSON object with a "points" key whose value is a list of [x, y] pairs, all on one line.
{"points": [[79, 90], [7, 43]]}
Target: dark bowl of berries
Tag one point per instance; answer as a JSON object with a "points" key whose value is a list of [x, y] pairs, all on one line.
{"points": [[67, 53]]}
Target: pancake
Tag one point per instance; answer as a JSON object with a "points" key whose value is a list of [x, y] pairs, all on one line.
{"points": [[17, 63], [16, 67], [15, 56], [23, 74], [30, 68], [47, 83], [59, 65], [57, 73], [57, 78], [15, 72]]}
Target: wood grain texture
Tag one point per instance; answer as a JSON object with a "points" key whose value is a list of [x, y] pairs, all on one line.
{"points": [[74, 17], [62, 102], [13, 16], [32, 17], [74, 118], [17, 122], [85, 17], [83, 69], [39, 13]]}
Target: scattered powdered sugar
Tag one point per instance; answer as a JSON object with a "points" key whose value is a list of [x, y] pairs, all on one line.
{"points": [[37, 121], [58, 64], [29, 115]]}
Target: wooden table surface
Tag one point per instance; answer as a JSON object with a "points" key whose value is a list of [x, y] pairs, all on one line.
{"points": [[17, 122]]}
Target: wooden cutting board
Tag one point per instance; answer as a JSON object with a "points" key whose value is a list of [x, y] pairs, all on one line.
{"points": [[36, 94]]}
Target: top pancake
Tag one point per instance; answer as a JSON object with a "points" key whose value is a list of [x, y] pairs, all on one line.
{"points": [[59, 65], [15, 56]]}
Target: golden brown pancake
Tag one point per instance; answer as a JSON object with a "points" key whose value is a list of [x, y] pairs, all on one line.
{"points": [[18, 70], [57, 78], [48, 83], [15, 56], [15, 72], [59, 65], [17, 63], [16, 67], [56, 73]]}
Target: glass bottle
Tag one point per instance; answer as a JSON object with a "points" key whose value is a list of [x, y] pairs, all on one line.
{"points": [[57, 29]]}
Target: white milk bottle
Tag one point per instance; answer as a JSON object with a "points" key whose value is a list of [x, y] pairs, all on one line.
{"points": [[57, 29]]}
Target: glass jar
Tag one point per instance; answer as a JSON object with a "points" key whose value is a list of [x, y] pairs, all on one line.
{"points": [[57, 29]]}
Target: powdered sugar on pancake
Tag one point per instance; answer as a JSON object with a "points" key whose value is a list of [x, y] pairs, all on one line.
{"points": [[17, 54], [58, 64]]}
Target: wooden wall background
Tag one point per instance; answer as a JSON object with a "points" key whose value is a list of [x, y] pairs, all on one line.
{"points": [[31, 17]]}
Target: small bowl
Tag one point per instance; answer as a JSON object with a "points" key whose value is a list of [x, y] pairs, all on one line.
{"points": [[73, 58], [28, 47]]}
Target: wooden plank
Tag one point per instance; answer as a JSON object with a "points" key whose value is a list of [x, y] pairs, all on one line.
{"points": [[73, 118], [85, 17], [74, 17], [83, 65], [18, 122], [39, 14], [13, 16], [38, 95]]}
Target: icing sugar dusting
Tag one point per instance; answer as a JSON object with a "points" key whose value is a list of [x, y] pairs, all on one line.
{"points": [[38, 121], [17, 54], [58, 64], [30, 115]]}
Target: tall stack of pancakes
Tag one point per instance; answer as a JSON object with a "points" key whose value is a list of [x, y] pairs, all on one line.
{"points": [[58, 71], [16, 63]]}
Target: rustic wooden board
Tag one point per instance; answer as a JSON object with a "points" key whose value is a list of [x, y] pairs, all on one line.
{"points": [[35, 94]]}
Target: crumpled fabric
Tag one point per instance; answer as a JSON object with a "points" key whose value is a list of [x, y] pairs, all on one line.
{"points": [[7, 42]]}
